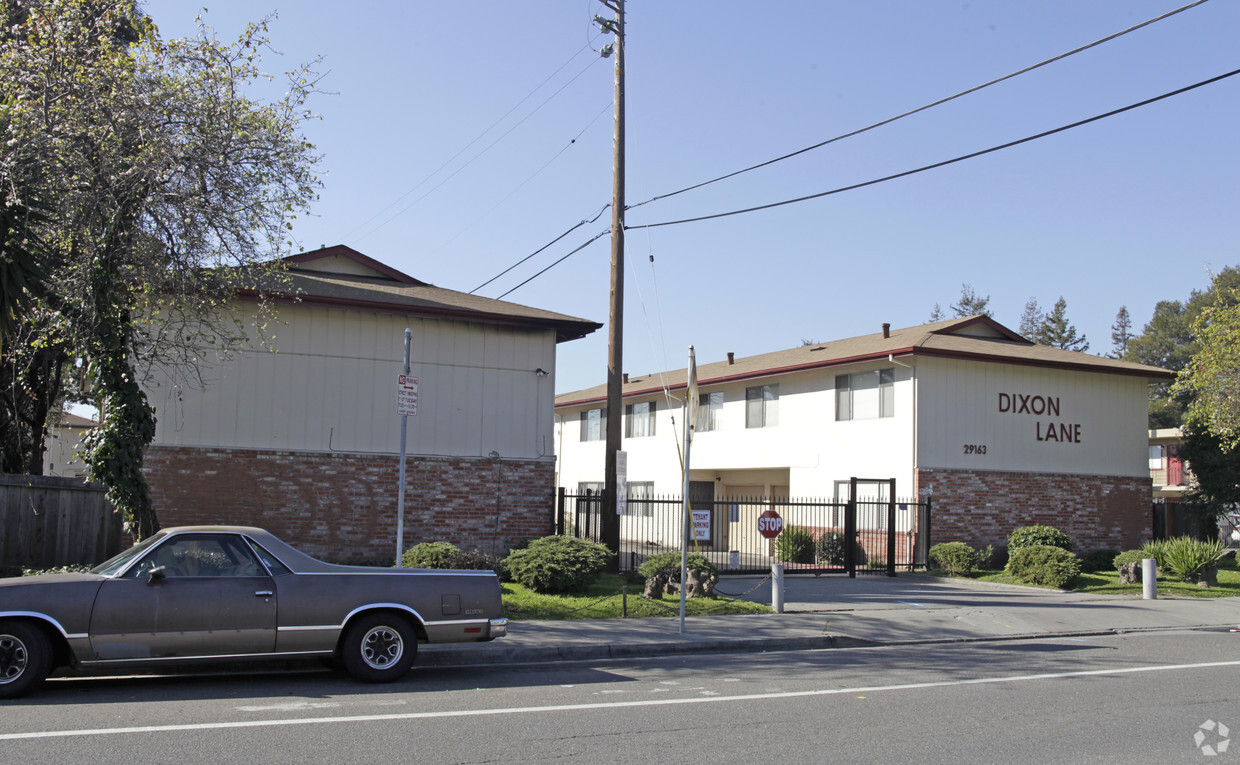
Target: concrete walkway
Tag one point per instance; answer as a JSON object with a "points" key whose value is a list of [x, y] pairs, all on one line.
{"points": [[836, 612]]}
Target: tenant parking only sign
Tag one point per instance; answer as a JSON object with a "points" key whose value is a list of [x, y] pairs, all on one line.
{"points": [[407, 395]]}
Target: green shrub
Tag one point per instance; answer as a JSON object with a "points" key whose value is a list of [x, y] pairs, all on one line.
{"points": [[1128, 556], [1189, 558], [668, 564], [558, 564], [1043, 564], [1157, 550], [795, 545], [1037, 534], [955, 557], [431, 555], [829, 550], [1098, 560]]}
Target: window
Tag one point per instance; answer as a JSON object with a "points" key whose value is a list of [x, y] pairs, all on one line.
{"points": [[710, 409], [1156, 458], [762, 406], [865, 395], [200, 555], [641, 498], [594, 424], [639, 420]]}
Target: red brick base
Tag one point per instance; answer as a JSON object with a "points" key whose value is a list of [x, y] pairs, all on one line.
{"points": [[983, 507], [342, 507]]}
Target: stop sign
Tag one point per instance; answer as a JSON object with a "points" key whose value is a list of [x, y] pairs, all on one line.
{"points": [[770, 524]]}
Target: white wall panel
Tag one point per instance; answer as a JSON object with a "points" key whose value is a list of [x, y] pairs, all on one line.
{"points": [[334, 379]]}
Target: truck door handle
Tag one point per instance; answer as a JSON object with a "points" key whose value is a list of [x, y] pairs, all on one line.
{"points": [[263, 594]]}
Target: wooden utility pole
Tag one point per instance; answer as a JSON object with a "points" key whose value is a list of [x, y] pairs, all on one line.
{"points": [[609, 527]]}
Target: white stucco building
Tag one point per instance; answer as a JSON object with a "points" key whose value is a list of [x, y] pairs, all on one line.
{"points": [[999, 432]]}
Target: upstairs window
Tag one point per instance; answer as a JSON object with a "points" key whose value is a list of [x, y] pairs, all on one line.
{"points": [[762, 406], [865, 395], [639, 420], [710, 409], [594, 424]]}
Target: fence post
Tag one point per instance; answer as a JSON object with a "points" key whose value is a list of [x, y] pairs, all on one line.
{"points": [[891, 529], [850, 530], [559, 511], [923, 533]]}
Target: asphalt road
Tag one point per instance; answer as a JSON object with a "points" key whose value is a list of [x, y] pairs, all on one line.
{"points": [[1129, 698]]}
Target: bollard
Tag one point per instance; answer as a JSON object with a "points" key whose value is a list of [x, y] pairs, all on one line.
{"points": [[1149, 579], [777, 587]]}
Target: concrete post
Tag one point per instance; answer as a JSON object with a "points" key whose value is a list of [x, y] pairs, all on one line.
{"points": [[1149, 579], [777, 587]]}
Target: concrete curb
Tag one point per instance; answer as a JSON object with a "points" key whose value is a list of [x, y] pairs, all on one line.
{"points": [[490, 654]]}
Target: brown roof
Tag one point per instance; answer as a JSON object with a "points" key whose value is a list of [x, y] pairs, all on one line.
{"points": [[974, 338], [387, 289]]}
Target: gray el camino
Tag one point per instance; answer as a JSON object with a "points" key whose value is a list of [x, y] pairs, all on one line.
{"points": [[231, 592]]}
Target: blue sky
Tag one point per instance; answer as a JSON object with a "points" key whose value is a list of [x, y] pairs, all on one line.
{"points": [[1130, 210]]}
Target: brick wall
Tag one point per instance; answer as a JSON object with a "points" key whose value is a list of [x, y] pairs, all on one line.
{"points": [[982, 507], [342, 507]]}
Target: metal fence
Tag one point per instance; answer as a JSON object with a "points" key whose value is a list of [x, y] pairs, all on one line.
{"points": [[888, 534]]}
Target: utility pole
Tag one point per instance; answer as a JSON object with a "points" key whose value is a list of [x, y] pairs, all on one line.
{"points": [[609, 525]]}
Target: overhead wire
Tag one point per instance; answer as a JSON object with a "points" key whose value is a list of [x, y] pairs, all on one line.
{"points": [[944, 163], [476, 139], [522, 184], [920, 109], [540, 249], [591, 241]]}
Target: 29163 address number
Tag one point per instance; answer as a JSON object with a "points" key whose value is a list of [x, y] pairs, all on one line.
{"points": [[975, 448]]}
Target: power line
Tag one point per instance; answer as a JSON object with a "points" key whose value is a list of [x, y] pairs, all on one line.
{"points": [[540, 249], [595, 238], [463, 149], [522, 184], [940, 102], [944, 163]]}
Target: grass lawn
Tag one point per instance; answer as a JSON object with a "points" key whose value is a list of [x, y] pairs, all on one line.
{"points": [[1107, 583], [602, 600]]}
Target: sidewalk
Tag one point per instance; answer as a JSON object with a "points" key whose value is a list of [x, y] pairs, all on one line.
{"points": [[837, 612]]}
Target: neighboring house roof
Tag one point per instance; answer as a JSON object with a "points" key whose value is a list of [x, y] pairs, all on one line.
{"points": [[70, 420], [973, 338], [343, 277]]}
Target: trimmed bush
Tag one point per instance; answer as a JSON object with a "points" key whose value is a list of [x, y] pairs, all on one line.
{"points": [[955, 557], [795, 545], [558, 564], [1037, 534], [1098, 560], [829, 550], [1189, 558], [668, 564], [431, 555], [1044, 565], [1128, 556]]}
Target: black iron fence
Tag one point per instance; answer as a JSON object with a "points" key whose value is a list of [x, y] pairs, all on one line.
{"points": [[887, 534]]}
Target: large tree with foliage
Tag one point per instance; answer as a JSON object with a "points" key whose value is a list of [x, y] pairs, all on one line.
{"points": [[1211, 380], [1168, 341], [162, 187], [970, 303], [1121, 333], [1031, 318], [1057, 332]]}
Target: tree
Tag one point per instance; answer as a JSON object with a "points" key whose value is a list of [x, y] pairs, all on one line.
{"points": [[1216, 470], [1211, 379], [1056, 332], [936, 314], [970, 304], [1032, 318], [1167, 341], [165, 188], [1121, 333]]}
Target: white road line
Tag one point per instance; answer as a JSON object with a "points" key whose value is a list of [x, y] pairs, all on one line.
{"points": [[611, 705]]}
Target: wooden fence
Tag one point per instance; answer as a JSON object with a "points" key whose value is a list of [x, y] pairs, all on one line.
{"points": [[48, 521]]}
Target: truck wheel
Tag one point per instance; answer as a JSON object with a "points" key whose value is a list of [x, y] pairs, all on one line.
{"points": [[25, 658], [379, 648]]}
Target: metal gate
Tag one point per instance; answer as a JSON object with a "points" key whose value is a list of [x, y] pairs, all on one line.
{"points": [[887, 534]]}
